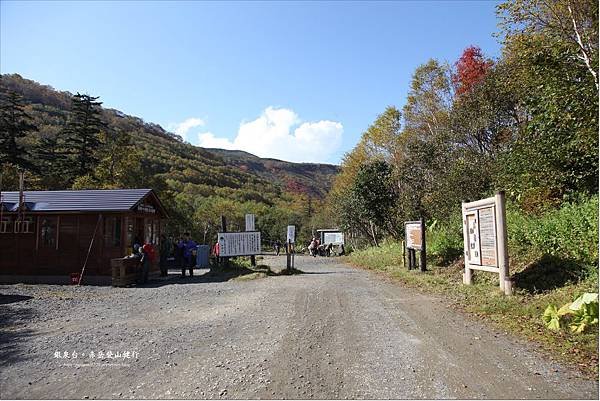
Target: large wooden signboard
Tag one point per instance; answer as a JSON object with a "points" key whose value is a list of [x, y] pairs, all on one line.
{"points": [[239, 244], [484, 230], [414, 235]]}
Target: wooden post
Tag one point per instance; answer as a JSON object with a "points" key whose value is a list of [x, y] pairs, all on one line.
{"points": [[288, 254], [468, 274], [423, 254], [502, 243], [224, 230]]}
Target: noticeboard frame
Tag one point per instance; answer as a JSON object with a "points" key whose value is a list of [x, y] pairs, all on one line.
{"points": [[472, 240]]}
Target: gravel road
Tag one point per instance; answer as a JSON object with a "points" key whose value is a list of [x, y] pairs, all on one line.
{"points": [[332, 333]]}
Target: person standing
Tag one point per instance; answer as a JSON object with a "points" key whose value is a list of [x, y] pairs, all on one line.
{"points": [[165, 252], [312, 247], [145, 259], [277, 247], [178, 251], [189, 250]]}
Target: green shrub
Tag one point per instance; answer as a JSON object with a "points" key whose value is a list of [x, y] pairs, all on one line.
{"points": [[445, 241], [388, 254], [570, 232]]}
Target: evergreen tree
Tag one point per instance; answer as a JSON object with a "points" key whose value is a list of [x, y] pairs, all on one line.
{"points": [[53, 160], [82, 134], [15, 124]]}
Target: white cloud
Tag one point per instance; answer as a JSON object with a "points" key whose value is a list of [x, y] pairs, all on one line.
{"points": [[184, 127], [279, 133]]}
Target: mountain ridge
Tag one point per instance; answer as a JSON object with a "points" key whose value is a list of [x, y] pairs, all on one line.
{"points": [[50, 107]]}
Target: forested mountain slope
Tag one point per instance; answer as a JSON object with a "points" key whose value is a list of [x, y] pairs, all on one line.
{"points": [[196, 184], [168, 155]]}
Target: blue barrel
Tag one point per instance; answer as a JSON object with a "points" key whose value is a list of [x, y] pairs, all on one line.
{"points": [[202, 256]]}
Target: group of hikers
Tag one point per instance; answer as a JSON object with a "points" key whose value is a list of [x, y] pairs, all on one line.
{"points": [[316, 248], [182, 250]]}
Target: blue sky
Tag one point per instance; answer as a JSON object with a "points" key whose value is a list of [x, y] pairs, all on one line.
{"points": [[298, 81]]}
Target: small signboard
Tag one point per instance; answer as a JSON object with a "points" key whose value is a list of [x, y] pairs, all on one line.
{"points": [[485, 242], [414, 235], [250, 222], [291, 234], [239, 244]]}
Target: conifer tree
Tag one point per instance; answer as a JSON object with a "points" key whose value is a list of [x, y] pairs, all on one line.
{"points": [[15, 124], [82, 134]]}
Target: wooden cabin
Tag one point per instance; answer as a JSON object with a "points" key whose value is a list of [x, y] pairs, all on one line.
{"points": [[52, 233]]}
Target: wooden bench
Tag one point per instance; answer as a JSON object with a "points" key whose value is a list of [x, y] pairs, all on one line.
{"points": [[124, 271]]}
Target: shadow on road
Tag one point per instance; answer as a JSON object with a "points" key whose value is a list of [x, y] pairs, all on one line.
{"points": [[13, 338]]}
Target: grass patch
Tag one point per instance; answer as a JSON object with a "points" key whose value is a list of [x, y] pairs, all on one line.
{"points": [[519, 314], [240, 269]]}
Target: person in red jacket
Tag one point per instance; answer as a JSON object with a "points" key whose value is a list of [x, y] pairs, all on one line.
{"points": [[148, 256]]}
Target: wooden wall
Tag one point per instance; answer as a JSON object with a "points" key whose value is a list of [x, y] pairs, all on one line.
{"points": [[65, 251]]}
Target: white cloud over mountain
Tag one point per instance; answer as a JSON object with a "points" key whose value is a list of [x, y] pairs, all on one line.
{"points": [[183, 128], [278, 133]]}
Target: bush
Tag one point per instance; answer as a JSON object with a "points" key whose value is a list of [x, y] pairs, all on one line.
{"points": [[445, 241], [570, 232]]}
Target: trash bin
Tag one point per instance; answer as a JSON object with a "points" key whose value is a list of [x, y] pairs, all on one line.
{"points": [[202, 255]]}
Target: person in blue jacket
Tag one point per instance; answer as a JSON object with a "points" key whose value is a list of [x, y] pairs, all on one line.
{"points": [[189, 247]]}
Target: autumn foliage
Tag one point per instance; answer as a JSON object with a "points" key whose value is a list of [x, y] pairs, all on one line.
{"points": [[471, 68]]}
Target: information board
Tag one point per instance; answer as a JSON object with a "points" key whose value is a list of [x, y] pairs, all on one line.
{"points": [[333, 238], [414, 235], [487, 236], [485, 242], [473, 241], [239, 244], [249, 222], [291, 234]]}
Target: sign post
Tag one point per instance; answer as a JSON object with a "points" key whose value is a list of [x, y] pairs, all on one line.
{"points": [[225, 260], [289, 250], [485, 239], [415, 241], [250, 227]]}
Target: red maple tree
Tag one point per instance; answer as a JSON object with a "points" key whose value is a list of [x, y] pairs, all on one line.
{"points": [[471, 68]]}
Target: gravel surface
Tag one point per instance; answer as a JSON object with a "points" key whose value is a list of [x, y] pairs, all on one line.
{"points": [[332, 333]]}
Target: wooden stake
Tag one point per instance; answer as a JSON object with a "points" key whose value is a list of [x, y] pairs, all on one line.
{"points": [[89, 249]]}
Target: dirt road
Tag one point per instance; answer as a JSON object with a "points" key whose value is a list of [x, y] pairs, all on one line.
{"points": [[334, 332]]}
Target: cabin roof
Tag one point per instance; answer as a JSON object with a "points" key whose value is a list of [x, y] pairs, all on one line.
{"points": [[96, 200]]}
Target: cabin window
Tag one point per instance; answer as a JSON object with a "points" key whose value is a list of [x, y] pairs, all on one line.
{"points": [[6, 225], [25, 226], [48, 232], [112, 231]]}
